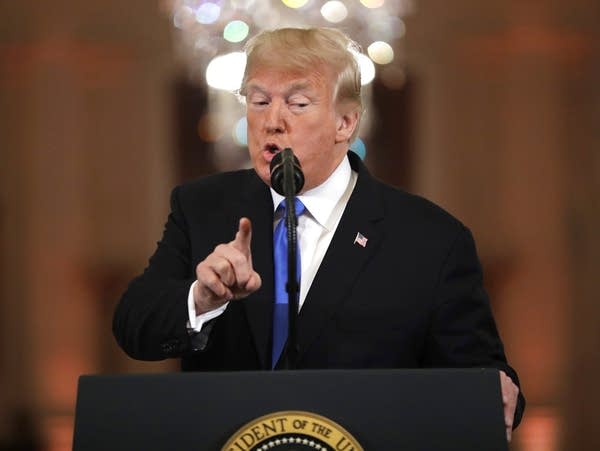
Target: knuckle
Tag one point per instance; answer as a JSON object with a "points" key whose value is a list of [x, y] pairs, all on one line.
{"points": [[220, 248], [254, 282], [214, 284], [238, 259], [222, 266], [201, 267]]}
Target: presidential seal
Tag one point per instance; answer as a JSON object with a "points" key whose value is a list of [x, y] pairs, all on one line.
{"points": [[292, 431]]}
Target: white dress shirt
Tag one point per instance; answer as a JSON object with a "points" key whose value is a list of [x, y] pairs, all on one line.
{"points": [[316, 227]]}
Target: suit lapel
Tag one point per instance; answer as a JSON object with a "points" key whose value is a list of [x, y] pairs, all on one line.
{"points": [[257, 205], [343, 260]]}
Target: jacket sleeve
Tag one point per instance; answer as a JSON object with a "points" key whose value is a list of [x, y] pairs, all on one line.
{"points": [[150, 320], [463, 332]]}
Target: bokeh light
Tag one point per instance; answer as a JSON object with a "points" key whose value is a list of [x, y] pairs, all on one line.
{"points": [[334, 11], [384, 27], [359, 148], [236, 31], [208, 28], [183, 17], [381, 52], [373, 3], [294, 3], [240, 132], [367, 68], [208, 13], [226, 71]]}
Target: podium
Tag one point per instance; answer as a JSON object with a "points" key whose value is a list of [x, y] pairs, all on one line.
{"points": [[396, 410]]}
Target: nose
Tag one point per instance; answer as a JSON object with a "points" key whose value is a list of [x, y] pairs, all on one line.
{"points": [[275, 118]]}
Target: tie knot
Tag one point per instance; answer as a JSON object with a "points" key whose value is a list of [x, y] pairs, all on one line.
{"points": [[298, 205]]}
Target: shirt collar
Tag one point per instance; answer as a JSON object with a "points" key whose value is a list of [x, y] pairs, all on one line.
{"points": [[321, 200]]}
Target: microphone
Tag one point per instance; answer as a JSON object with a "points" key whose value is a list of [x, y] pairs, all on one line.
{"points": [[287, 179], [286, 174]]}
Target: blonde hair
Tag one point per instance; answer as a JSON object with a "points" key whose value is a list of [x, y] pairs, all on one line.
{"points": [[300, 49]]}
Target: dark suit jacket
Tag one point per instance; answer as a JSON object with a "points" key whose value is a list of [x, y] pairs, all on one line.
{"points": [[412, 297]]}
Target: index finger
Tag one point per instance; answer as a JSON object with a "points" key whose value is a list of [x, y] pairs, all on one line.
{"points": [[243, 237]]}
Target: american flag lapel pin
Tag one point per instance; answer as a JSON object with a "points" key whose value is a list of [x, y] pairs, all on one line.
{"points": [[360, 239]]}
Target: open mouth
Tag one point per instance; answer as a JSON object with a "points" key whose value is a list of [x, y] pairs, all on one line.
{"points": [[272, 148]]}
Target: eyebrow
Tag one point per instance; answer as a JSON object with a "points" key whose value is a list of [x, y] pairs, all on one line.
{"points": [[295, 87]]}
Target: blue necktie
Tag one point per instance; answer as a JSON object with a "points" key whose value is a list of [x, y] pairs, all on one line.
{"points": [[280, 260]]}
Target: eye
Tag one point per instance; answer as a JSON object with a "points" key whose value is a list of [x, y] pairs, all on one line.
{"points": [[258, 100], [298, 103]]}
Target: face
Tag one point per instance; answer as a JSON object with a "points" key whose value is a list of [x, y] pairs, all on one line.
{"points": [[297, 110]]}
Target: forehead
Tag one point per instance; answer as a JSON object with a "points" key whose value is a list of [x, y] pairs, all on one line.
{"points": [[284, 80]]}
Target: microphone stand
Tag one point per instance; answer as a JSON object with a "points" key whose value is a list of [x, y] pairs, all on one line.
{"points": [[292, 288]]}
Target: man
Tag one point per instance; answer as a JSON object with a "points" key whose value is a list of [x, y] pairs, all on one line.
{"points": [[388, 280]]}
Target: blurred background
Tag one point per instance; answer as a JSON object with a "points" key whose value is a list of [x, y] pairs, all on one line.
{"points": [[489, 108]]}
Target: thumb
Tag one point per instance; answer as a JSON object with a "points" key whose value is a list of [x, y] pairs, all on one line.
{"points": [[243, 237]]}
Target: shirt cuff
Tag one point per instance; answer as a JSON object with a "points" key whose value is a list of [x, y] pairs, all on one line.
{"points": [[195, 322]]}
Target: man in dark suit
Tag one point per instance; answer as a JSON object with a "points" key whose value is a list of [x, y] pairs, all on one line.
{"points": [[388, 279]]}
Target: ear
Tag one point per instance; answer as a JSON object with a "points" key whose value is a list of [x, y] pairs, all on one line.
{"points": [[346, 123]]}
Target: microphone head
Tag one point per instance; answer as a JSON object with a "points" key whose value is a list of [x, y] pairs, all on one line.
{"points": [[278, 165]]}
